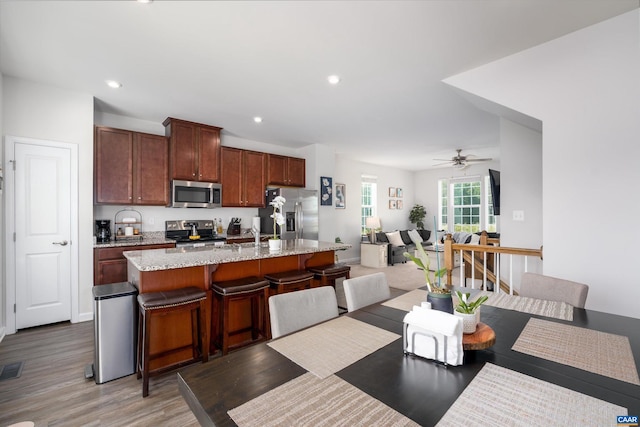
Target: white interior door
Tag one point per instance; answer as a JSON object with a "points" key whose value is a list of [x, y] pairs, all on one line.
{"points": [[42, 215]]}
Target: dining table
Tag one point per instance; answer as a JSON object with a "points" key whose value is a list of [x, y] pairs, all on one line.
{"points": [[428, 393]]}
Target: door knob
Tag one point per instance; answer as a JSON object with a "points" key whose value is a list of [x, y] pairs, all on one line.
{"points": [[63, 243]]}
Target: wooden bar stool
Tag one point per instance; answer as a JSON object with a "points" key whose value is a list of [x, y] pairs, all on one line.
{"points": [[325, 275], [289, 281], [154, 304], [255, 290]]}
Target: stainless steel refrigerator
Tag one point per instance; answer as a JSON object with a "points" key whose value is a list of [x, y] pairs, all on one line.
{"points": [[300, 212]]}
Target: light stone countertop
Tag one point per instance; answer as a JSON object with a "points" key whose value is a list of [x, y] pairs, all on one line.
{"points": [[166, 259], [148, 238], [157, 238]]}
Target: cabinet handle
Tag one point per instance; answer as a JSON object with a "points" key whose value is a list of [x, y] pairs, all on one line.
{"points": [[63, 243]]}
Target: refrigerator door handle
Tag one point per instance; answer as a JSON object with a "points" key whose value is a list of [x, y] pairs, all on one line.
{"points": [[299, 218]]}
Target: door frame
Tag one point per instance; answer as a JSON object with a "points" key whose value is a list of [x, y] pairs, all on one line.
{"points": [[10, 255]]}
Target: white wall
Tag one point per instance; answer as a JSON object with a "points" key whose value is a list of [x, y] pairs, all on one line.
{"points": [[521, 190], [38, 111], [3, 321], [347, 221], [584, 88]]}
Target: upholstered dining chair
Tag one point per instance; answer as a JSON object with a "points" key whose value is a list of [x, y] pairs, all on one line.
{"points": [[292, 311], [365, 290], [553, 289]]}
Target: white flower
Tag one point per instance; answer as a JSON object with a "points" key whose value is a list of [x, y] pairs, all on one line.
{"points": [[325, 182], [277, 203]]}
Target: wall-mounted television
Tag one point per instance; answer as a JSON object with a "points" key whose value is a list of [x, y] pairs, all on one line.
{"points": [[494, 177]]}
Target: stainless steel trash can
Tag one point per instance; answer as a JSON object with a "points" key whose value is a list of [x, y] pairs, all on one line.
{"points": [[115, 323]]}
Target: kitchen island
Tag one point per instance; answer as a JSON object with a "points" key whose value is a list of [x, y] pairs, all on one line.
{"points": [[165, 269]]}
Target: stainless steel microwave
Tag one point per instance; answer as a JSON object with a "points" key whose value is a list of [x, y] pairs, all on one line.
{"points": [[195, 194]]}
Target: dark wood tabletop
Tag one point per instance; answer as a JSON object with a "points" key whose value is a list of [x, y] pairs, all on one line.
{"points": [[417, 388]]}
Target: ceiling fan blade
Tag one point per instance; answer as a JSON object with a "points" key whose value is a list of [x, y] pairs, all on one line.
{"points": [[477, 160], [448, 162], [445, 160]]}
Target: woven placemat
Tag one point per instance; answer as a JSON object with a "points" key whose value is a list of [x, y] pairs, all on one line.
{"points": [[331, 346], [501, 397], [554, 309], [310, 401], [407, 301], [594, 351]]}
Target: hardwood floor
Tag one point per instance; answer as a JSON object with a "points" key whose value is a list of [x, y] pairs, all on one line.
{"points": [[52, 390]]}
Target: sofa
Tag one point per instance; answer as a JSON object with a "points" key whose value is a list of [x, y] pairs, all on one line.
{"points": [[400, 241]]}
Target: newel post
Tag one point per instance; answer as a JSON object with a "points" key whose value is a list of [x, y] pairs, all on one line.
{"points": [[448, 258]]}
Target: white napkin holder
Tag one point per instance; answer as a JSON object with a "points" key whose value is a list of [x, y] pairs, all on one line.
{"points": [[434, 335]]}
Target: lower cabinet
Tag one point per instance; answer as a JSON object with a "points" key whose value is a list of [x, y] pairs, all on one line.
{"points": [[110, 266]]}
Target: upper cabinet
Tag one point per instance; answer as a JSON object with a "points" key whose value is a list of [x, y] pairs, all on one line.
{"points": [[194, 150], [130, 167], [283, 170], [243, 178]]}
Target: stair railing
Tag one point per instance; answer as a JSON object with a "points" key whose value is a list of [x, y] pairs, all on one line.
{"points": [[478, 256]]}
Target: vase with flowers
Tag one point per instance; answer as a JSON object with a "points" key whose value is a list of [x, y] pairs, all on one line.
{"points": [[275, 244], [438, 294]]}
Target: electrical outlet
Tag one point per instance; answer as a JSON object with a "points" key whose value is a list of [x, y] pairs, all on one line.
{"points": [[151, 221], [518, 215]]}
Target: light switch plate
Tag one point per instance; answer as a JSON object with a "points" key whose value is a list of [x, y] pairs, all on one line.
{"points": [[518, 215]]}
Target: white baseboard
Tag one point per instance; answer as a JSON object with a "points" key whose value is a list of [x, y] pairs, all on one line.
{"points": [[85, 317], [2, 333]]}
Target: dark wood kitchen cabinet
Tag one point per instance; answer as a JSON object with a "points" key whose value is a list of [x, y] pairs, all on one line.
{"points": [[283, 170], [194, 150], [130, 168], [110, 266], [243, 178]]}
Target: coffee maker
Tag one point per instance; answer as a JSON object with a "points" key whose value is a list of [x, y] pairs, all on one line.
{"points": [[103, 230]]}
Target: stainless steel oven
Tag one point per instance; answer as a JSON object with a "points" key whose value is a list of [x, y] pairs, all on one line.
{"points": [[195, 194]]}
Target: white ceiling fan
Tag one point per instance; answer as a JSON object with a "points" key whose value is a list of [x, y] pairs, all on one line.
{"points": [[459, 161]]}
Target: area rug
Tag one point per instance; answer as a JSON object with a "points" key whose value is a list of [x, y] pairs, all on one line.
{"points": [[310, 401], [405, 276], [554, 309], [594, 351], [326, 348], [501, 397]]}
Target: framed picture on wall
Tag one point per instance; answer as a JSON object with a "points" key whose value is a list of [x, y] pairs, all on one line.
{"points": [[326, 191], [392, 192], [392, 204], [399, 193], [399, 204], [341, 196]]}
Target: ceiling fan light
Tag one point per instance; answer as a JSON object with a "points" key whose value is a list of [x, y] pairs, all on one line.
{"points": [[459, 165]]}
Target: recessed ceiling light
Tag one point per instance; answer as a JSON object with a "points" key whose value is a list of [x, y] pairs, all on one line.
{"points": [[257, 119], [334, 80], [114, 84], [145, 1]]}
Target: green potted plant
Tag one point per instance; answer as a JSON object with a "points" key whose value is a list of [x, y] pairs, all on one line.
{"points": [[469, 311], [416, 216], [438, 294]]}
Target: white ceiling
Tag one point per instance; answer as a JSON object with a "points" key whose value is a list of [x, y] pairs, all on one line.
{"points": [[222, 63]]}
